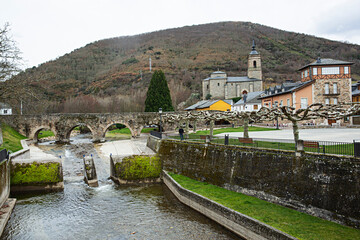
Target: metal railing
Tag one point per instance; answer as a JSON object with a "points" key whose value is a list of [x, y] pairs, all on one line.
{"points": [[323, 147]]}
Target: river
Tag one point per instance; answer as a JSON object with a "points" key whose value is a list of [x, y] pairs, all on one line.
{"points": [[105, 212]]}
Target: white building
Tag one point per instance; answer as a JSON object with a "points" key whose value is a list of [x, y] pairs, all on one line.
{"points": [[249, 102], [5, 109]]}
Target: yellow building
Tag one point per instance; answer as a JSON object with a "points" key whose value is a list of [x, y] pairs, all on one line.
{"points": [[216, 105]]}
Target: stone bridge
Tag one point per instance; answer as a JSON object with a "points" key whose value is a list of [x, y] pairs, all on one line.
{"points": [[62, 124]]}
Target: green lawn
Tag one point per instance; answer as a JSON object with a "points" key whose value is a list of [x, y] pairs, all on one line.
{"points": [[11, 138], [297, 224], [45, 133], [226, 130]]}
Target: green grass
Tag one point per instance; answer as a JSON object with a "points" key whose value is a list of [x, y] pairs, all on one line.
{"points": [[45, 134], [226, 130], [11, 138], [297, 224]]}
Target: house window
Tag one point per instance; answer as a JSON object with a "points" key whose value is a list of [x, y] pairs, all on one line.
{"points": [[255, 107], [304, 103], [5, 111], [346, 70], [276, 103], [327, 101], [335, 90], [281, 103], [326, 88], [335, 101], [330, 70], [288, 102], [306, 73], [314, 71], [302, 74]]}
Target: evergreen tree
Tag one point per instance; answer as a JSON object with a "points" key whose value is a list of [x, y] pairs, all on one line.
{"points": [[158, 94]]}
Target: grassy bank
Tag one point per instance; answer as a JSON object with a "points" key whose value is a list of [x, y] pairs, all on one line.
{"points": [[297, 224], [11, 138]]}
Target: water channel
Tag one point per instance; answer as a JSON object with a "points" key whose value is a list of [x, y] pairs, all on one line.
{"points": [[106, 212]]}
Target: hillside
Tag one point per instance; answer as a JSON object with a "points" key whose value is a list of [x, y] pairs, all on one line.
{"points": [[107, 72]]}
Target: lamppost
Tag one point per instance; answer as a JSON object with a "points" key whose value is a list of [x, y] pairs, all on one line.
{"points": [[160, 130]]}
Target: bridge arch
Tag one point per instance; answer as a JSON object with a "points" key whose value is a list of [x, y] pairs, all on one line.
{"points": [[134, 132], [69, 130], [35, 132]]}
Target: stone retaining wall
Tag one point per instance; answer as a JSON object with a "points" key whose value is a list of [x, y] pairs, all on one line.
{"points": [[327, 186], [238, 223], [4, 181]]}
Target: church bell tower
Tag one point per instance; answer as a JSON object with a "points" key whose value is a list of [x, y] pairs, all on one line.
{"points": [[254, 64]]}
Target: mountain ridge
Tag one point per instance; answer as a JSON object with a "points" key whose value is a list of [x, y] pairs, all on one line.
{"points": [[119, 67]]}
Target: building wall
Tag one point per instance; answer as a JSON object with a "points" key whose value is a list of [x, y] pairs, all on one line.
{"points": [[305, 92], [205, 89], [217, 88], [247, 108], [270, 101], [343, 86]]}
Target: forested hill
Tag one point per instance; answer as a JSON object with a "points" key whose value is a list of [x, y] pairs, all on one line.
{"points": [[112, 67]]}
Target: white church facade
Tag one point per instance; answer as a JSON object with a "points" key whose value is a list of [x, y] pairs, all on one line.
{"points": [[220, 86]]}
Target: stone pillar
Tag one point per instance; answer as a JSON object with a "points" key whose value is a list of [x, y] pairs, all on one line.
{"points": [[212, 122], [299, 145], [194, 127]]}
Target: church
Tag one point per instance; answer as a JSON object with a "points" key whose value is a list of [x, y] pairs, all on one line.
{"points": [[220, 86]]}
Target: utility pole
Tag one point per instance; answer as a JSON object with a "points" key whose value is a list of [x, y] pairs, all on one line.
{"points": [[150, 63]]}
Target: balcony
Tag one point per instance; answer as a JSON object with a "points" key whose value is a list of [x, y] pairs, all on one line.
{"points": [[331, 93]]}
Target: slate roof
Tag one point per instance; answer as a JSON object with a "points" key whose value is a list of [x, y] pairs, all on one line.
{"points": [[271, 91], [205, 104], [354, 89], [326, 61], [252, 97]]}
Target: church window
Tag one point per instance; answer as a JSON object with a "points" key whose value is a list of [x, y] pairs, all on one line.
{"points": [[207, 86], [218, 84], [254, 63]]}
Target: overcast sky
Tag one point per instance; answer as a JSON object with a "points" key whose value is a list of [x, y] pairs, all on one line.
{"points": [[47, 29]]}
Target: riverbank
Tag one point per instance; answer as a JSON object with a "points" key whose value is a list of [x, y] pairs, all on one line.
{"points": [[292, 222]]}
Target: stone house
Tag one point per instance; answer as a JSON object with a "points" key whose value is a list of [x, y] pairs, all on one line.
{"points": [[220, 86], [326, 81]]}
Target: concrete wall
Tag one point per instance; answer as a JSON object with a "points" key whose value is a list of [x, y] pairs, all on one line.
{"points": [[21, 154], [4, 181], [327, 186], [238, 223]]}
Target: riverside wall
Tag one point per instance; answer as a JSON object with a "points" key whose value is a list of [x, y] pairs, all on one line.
{"points": [[4, 181], [326, 186]]}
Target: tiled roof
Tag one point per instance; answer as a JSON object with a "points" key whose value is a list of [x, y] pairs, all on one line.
{"points": [[4, 105], [271, 91]]}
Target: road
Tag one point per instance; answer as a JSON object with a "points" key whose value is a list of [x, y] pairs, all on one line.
{"points": [[319, 134]]}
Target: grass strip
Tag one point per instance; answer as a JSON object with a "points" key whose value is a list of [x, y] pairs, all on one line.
{"points": [[11, 138], [297, 224], [226, 130]]}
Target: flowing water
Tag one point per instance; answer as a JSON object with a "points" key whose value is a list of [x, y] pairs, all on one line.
{"points": [[105, 212]]}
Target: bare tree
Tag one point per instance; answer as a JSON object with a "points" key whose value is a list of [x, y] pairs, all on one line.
{"points": [[9, 54]]}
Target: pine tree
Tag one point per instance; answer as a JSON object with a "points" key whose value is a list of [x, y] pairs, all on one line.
{"points": [[158, 94]]}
